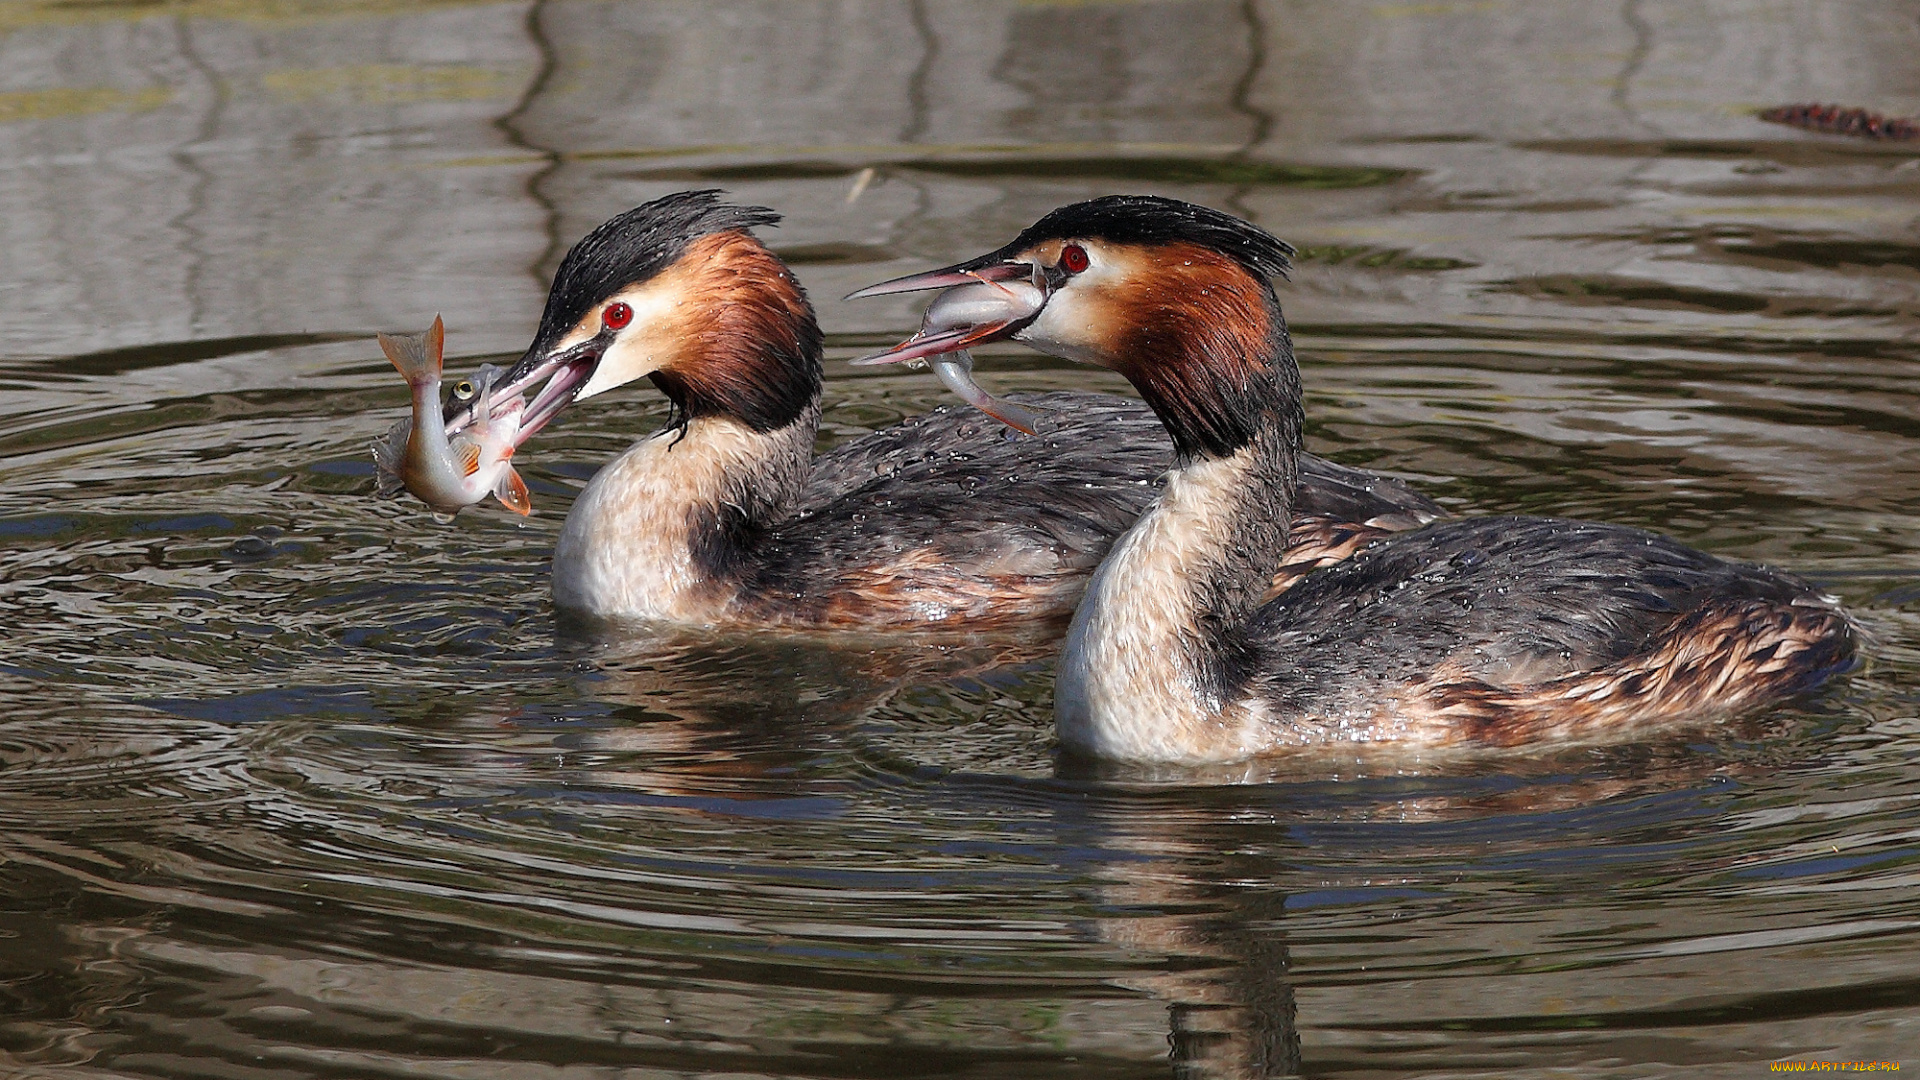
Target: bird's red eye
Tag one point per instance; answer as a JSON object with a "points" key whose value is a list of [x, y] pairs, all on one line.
{"points": [[1073, 258], [616, 316]]}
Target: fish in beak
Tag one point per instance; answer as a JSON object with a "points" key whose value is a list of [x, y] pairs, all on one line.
{"points": [[991, 301], [449, 470]]}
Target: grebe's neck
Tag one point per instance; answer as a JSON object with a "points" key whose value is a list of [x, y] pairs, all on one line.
{"points": [[664, 530], [1156, 658]]}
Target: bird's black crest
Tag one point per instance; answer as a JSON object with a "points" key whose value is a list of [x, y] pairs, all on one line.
{"points": [[1150, 219], [633, 247]]}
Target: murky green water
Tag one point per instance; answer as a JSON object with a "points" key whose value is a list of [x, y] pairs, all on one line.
{"points": [[294, 782]]}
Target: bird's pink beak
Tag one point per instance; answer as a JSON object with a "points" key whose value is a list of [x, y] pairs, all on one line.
{"points": [[991, 303], [946, 277], [564, 372]]}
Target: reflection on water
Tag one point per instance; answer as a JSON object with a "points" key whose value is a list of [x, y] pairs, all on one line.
{"points": [[297, 782]]}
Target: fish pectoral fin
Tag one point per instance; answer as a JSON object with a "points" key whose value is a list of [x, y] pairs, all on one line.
{"points": [[512, 492], [469, 459]]}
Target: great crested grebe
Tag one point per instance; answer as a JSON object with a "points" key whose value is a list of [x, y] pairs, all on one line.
{"points": [[1473, 631], [723, 517]]}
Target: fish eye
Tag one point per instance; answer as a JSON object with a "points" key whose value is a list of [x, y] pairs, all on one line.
{"points": [[463, 390], [616, 316], [1073, 258]]}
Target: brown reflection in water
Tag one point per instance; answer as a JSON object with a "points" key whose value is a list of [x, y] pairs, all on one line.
{"points": [[61, 972], [1205, 902]]}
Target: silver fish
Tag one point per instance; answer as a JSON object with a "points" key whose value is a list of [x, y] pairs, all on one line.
{"points": [[953, 319], [956, 371], [417, 454]]}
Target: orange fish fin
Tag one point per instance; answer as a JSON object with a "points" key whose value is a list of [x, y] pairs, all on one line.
{"points": [[469, 459], [395, 346], [512, 492], [417, 356]]}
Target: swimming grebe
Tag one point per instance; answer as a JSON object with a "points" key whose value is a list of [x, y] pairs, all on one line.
{"points": [[1475, 631], [719, 519]]}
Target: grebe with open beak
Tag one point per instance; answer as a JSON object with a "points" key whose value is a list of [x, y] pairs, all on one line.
{"points": [[724, 517], [1475, 631]]}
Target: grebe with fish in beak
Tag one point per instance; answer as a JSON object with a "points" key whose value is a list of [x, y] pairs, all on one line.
{"points": [[1478, 631]]}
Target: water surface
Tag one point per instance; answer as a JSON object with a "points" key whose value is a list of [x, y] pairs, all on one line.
{"points": [[297, 782]]}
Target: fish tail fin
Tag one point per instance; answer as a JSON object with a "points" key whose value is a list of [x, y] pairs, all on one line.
{"points": [[956, 371], [1023, 420], [512, 492], [417, 356], [1020, 419]]}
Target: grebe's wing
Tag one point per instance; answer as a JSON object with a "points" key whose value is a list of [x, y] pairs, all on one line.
{"points": [[1505, 630]]}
